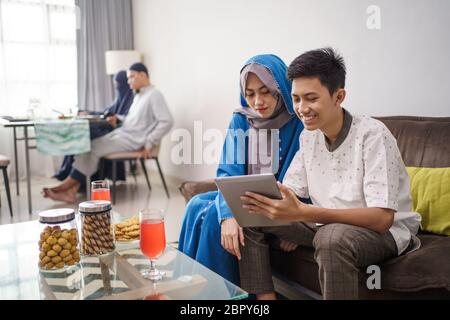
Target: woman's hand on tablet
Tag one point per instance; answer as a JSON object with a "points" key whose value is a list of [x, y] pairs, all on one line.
{"points": [[231, 235], [287, 246]]}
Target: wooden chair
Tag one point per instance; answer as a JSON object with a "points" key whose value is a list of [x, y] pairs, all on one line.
{"points": [[4, 163], [135, 155]]}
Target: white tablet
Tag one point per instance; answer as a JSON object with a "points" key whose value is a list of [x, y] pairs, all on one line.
{"points": [[234, 187]]}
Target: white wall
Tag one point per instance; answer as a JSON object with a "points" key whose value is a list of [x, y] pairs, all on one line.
{"points": [[195, 49]]}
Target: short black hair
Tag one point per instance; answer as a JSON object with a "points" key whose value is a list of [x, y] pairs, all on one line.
{"points": [[139, 67], [324, 64]]}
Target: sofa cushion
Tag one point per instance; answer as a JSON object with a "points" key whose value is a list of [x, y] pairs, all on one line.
{"points": [[425, 268], [430, 190], [423, 141]]}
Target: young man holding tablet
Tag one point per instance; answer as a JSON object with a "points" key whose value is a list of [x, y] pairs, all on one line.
{"points": [[352, 170]]}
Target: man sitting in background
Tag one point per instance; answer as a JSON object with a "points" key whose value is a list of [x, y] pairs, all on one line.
{"points": [[148, 120], [120, 107]]}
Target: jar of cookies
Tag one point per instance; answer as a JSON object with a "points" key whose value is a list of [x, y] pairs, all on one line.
{"points": [[97, 234], [58, 242]]}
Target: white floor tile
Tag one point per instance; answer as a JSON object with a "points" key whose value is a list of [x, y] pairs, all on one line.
{"points": [[131, 197]]}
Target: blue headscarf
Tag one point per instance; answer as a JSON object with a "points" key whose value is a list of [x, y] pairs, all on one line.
{"points": [[289, 133], [124, 95], [278, 69]]}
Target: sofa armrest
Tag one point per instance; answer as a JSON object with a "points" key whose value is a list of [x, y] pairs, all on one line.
{"points": [[191, 188]]}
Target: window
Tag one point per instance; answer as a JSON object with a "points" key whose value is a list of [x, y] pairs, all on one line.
{"points": [[37, 55]]}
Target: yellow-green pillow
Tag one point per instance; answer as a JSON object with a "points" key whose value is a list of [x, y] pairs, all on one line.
{"points": [[430, 191]]}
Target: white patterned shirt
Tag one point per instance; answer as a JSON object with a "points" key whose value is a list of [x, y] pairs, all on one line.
{"points": [[148, 120], [365, 171]]}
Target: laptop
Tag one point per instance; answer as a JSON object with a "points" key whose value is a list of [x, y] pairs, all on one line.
{"points": [[15, 119]]}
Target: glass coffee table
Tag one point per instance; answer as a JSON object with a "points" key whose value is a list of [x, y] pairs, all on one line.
{"points": [[112, 276]]}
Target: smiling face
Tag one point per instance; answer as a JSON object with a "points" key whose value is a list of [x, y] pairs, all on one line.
{"points": [[314, 105], [258, 96]]}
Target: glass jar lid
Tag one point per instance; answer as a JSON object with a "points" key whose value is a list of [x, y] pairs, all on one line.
{"points": [[94, 206], [56, 215]]}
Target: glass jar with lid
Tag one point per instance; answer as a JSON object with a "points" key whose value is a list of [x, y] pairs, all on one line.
{"points": [[58, 242], [97, 233]]}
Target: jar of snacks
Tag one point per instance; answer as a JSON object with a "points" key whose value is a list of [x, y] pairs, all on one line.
{"points": [[97, 234], [58, 242]]}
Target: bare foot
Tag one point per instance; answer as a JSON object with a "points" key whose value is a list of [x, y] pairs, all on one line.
{"points": [[59, 188], [65, 186], [45, 191], [69, 196]]}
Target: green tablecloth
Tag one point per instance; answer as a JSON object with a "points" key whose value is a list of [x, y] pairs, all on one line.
{"points": [[63, 137]]}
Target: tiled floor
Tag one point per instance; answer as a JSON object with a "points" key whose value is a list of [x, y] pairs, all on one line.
{"points": [[131, 196]]}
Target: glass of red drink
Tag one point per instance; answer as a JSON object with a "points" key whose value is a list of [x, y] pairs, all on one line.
{"points": [[100, 190], [153, 240]]}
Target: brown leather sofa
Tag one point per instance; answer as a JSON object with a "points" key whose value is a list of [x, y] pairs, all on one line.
{"points": [[422, 274]]}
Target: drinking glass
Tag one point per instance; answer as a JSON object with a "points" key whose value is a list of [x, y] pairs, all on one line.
{"points": [[153, 240], [100, 190]]}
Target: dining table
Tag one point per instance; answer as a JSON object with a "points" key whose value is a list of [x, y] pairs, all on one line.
{"points": [[24, 125]]}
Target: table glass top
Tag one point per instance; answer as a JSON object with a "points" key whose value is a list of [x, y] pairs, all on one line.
{"points": [[112, 276]]}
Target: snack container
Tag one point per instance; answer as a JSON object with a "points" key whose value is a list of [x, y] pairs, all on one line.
{"points": [[58, 241], [97, 233]]}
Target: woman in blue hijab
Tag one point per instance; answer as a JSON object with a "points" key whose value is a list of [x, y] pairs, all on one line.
{"points": [[210, 234], [120, 106], [124, 96]]}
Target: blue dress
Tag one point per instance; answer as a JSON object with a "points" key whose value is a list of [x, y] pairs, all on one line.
{"points": [[201, 231]]}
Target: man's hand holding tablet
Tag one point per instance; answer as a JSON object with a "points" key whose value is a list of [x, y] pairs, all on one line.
{"points": [[289, 208], [263, 185]]}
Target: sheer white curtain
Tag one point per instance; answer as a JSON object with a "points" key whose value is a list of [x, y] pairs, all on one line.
{"points": [[37, 62]]}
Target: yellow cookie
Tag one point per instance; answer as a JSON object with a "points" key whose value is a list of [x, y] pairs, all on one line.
{"points": [[128, 222], [133, 227], [133, 233]]}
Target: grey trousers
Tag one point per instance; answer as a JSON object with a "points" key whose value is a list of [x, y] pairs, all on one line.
{"points": [[340, 250]]}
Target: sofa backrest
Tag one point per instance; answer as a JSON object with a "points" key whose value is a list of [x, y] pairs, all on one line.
{"points": [[423, 141]]}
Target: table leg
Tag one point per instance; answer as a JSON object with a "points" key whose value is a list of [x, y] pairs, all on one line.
{"points": [[16, 164], [27, 160], [88, 187]]}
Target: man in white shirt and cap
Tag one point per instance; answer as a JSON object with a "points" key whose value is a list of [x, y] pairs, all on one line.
{"points": [[148, 120], [351, 169]]}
